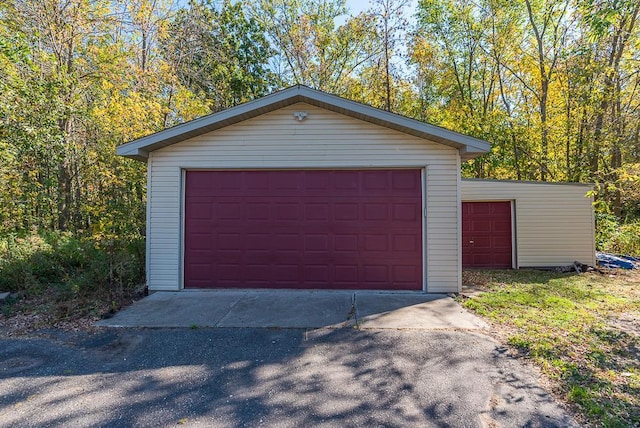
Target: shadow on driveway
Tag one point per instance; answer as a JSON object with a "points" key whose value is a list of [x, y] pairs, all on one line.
{"points": [[235, 377]]}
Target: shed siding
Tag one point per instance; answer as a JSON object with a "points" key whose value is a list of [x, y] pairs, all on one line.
{"points": [[324, 140], [554, 222]]}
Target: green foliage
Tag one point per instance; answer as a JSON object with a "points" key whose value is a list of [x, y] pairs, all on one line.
{"points": [[565, 324], [226, 59], [310, 48], [551, 84], [617, 238], [69, 267], [77, 82]]}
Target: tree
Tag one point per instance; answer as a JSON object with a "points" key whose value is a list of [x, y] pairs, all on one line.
{"points": [[613, 26], [311, 50], [548, 26], [64, 39], [391, 21], [221, 54], [450, 54]]}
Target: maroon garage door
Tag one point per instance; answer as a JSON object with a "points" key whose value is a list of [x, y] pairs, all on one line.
{"points": [[486, 235], [303, 229]]}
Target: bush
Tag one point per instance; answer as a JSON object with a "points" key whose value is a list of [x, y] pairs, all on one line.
{"points": [[616, 238], [71, 267]]}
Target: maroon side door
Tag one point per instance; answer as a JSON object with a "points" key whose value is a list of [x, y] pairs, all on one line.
{"points": [[486, 235], [310, 229]]}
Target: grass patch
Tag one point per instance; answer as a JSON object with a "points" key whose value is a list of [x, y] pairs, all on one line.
{"points": [[574, 327]]}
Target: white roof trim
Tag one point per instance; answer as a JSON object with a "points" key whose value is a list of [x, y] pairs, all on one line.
{"points": [[552, 183], [139, 149]]}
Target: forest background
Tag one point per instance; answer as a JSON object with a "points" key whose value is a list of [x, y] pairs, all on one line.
{"points": [[552, 84]]}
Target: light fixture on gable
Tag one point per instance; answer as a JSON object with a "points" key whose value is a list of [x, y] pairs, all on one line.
{"points": [[300, 115]]}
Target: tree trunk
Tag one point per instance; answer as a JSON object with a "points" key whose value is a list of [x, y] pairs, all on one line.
{"points": [[386, 62]]}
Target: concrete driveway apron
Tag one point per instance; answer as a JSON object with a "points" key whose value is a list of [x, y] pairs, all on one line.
{"points": [[322, 359], [296, 309]]}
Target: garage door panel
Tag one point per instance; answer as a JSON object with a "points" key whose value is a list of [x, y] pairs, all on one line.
{"points": [[201, 225], [287, 211], [376, 243], [345, 211], [345, 242], [375, 181], [286, 272], [228, 211], [404, 273], [262, 257], [254, 187], [405, 212], [200, 241], [304, 229], [220, 256], [486, 235], [228, 271], [257, 211], [481, 208], [228, 241], [201, 210], [286, 181], [406, 243], [316, 212], [316, 183], [406, 180], [259, 241], [378, 211], [376, 273], [316, 242], [346, 274], [346, 182]]}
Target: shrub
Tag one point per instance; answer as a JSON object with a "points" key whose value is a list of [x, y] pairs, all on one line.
{"points": [[613, 237], [71, 267]]}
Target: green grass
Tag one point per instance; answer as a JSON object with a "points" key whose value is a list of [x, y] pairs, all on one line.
{"points": [[566, 324]]}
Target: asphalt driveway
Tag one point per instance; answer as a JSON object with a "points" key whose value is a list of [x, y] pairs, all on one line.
{"points": [[237, 377], [349, 374]]}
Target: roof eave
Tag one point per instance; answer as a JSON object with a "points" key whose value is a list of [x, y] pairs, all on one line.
{"points": [[397, 122], [138, 149], [468, 154], [137, 154]]}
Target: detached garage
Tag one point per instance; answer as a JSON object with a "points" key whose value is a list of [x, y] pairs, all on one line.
{"points": [[302, 189]]}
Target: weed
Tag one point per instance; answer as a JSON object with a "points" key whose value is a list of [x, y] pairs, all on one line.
{"points": [[564, 323], [8, 305], [615, 237], [75, 272]]}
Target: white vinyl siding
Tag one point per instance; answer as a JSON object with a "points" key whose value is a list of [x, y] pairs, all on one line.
{"points": [[324, 140], [554, 223]]}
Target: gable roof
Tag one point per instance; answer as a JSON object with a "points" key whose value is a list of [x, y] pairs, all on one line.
{"points": [[139, 149]]}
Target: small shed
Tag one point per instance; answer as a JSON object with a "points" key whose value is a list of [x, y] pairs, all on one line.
{"points": [[303, 189], [524, 224]]}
